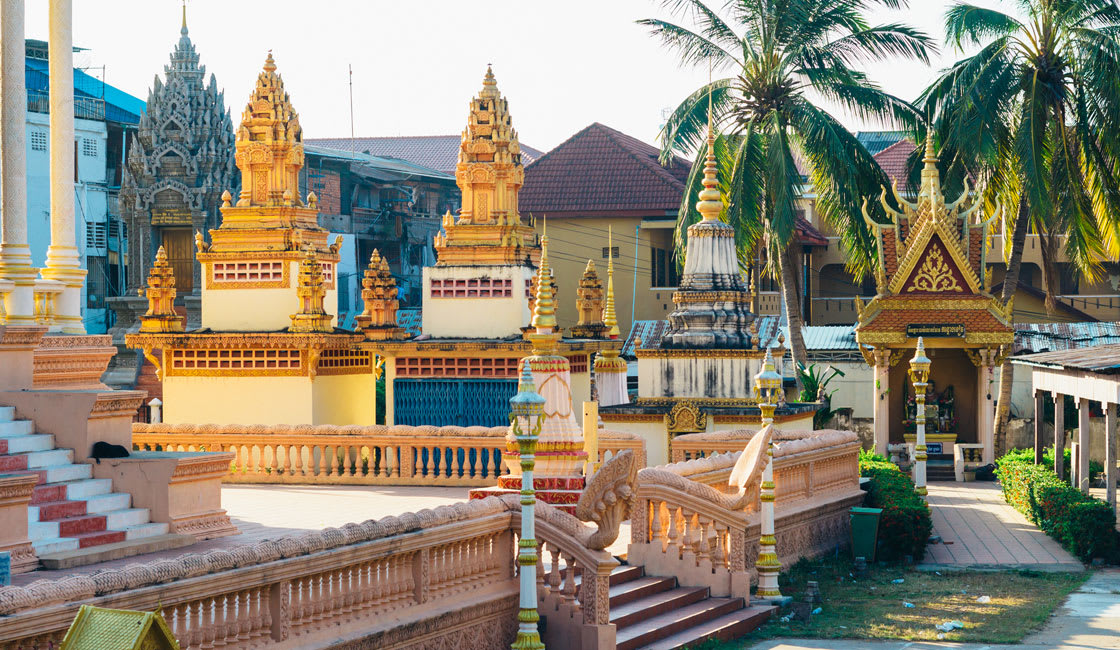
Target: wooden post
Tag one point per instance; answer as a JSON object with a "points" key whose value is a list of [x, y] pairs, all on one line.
{"points": [[1083, 445], [1039, 410], [1110, 453], [1060, 435]]}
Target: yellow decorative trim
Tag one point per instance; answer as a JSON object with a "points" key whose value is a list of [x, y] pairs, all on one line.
{"points": [[934, 275], [684, 297], [697, 401], [661, 353], [685, 417]]}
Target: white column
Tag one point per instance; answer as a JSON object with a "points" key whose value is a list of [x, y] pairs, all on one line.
{"points": [[15, 255], [880, 408], [920, 456], [1082, 469], [1110, 453], [1060, 435], [63, 262], [986, 406]]}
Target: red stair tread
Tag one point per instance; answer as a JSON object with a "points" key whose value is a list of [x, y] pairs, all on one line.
{"points": [[46, 493], [13, 463], [3, 446], [75, 526], [85, 540], [41, 473], [61, 509]]}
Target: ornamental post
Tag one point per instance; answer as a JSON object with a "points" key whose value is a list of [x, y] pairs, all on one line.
{"points": [[919, 375], [766, 382], [527, 418]]}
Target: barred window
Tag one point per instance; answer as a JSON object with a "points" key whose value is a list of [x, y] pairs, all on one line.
{"points": [[472, 288], [248, 271], [456, 367], [192, 359], [89, 147], [38, 140]]}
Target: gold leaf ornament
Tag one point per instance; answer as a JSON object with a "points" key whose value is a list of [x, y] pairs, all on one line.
{"points": [[934, 275]]}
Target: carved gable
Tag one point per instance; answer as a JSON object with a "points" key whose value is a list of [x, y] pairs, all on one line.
{"points": [[935, 272]]}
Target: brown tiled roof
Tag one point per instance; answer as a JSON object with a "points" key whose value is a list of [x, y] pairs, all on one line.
{"points": [[439, 152], [978, 319], [601, 170], [893, 160]]}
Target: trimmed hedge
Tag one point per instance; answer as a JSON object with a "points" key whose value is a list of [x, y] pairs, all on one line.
{"points": [[1027, 456], [905, 525], [1083, 525]]}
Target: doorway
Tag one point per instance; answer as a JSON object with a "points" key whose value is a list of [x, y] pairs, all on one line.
{"points": [[179, 245]]}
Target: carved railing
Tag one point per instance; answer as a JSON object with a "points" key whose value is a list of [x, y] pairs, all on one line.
{"points": [[372, 455], [443, 577], [689, 522]]}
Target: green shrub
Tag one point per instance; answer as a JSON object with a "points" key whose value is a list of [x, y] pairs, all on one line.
{"points": [[905, 525], [1083, 525], [1027, 455]]}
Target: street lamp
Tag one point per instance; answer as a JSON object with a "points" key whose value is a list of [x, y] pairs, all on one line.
{"points": [[766, 383], [919, 376], [526, 419]]}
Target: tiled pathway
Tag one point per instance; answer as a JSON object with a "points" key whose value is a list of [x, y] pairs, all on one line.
{"points": [[979, 529]]}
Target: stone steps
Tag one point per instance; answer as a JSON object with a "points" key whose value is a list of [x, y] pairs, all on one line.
{"points": [[69, 509]]}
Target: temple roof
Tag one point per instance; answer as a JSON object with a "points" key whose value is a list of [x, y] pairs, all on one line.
{"points": [[602, 170], [894, 160], [438, 152]]}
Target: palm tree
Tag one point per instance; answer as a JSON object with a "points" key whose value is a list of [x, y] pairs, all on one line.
{"points": [[778, 52], [1035, 113]]}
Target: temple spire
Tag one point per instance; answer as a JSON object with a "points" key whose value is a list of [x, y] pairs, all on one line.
{"points": [[544, 311], [183, 31], [609, 318], [710, 204]]}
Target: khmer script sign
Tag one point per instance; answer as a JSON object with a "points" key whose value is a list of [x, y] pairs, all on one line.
{"points": [[935, 330], [171, 217]]}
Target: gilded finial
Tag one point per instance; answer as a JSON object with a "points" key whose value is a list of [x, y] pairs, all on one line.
{"points": [[161, 315], [269, 63], [710, 204], [609, 317], [183, 31], [544, 312], [227, 198]]}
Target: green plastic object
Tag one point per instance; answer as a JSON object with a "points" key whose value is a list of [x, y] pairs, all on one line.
{"points": [[865, 532]]}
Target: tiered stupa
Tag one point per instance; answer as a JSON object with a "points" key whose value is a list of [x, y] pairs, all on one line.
{"points": [[610, 369], [479, 297], [268, 351], [698, 376]]}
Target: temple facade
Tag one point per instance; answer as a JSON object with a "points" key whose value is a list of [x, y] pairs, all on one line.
{"points": [[479, 296], [179, 162], [268, 294], [931, 283], [698, 376]]}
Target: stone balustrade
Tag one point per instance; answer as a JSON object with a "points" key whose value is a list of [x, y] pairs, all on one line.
{"points": [[371, 455], [690, 523], [444, 577]]}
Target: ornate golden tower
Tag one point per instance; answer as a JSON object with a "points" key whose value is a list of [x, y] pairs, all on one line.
{"points": [[161, 316], [589, 304], [379, 294], [488, 230], [312, 315]]}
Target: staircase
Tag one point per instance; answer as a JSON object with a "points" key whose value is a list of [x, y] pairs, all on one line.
{"points": [[69, 510], [940, 468], [654, 613]]}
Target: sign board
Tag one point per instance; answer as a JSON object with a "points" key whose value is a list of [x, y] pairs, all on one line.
{"points": [[935, 330], [934, 448], [171, 217]]}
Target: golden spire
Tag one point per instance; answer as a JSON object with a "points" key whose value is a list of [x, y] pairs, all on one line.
{"points": [[312, 315], [269, 143], [161, 316], [929, 170], [609, 318], [184, 16], [710, 203], [544, 312]]}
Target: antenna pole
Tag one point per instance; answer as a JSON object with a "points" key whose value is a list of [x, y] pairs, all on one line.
{"points": [[350, 68]]}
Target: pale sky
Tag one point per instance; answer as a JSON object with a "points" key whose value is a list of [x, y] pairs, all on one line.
{"points": [[417, 63]]}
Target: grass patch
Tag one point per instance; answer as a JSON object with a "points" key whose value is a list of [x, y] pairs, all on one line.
{"points": [[871, 607]]}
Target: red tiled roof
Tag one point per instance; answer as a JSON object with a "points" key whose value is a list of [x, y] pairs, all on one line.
{"points": [[807, 234], [439, 152], [893, 160], [601, 170], [975, 319]]}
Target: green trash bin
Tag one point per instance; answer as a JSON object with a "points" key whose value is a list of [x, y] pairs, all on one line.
{"points": [[865, 532]]}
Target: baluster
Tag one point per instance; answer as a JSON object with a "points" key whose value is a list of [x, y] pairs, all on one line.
{"points": [[386, 455], [224, 622], [347, 462], [181, 625], [261, 604], [569, 593], [719, 557], [256, 624], [673, 547], [380, 582], [287, 467], [702, 543], [300, 467], [541, 586], [322, 598], [206, 610], [194, 639], [449, 460], [496, 458], [554, 575], [656, 535]]}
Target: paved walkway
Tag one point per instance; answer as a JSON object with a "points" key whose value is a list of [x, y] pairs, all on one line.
{"points": [[1089, 618], [980, 530]]}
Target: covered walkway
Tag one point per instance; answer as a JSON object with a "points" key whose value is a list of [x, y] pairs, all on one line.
{"points": [[979, 529]]}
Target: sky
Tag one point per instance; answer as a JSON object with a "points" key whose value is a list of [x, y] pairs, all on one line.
{"points": [[417, 63]]}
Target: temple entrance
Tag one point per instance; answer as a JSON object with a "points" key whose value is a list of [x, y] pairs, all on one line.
{"points": [[179, 245], [951, 402]]}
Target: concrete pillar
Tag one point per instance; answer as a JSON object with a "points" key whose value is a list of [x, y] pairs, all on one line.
{"points": [[1082, 469], [880, 409], [15, 255], [1039, 410], [63, 261], [985, 405], [1060, 435], [1110, 417]]}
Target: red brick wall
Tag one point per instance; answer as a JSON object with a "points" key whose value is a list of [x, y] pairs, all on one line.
{"points": [[325, 184]]}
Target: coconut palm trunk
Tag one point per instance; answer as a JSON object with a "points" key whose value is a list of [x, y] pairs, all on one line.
{"points": [[1010, 286], [791, 294]]}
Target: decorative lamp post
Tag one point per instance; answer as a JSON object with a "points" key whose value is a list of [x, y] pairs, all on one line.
{"points": [[767, 382], [527, 417], [919, 376]]}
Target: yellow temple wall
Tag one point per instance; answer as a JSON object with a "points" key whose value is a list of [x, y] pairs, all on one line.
{"points": [[237, 400], [344, 399], [581, 390], [256, 309], [493, 318]]}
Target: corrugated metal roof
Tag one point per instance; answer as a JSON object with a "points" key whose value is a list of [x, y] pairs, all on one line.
{"points": [[817, 337], [401, 167], [410, 320], [1101, 359], [1047, 337]]}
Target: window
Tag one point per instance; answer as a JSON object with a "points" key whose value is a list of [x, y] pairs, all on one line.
{"points": [[38, 140], [95, 234], [613, 251], [472, 288], [89, 147], [663, 272]]}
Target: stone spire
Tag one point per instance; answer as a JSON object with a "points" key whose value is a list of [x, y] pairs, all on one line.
{"points": [[609, 317], [312, 315], [269, 144], [379, 294], [544, 311], [178, 163], [488, 230], [712, 304], [610, 369], [161, 316], [589, 304]]}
